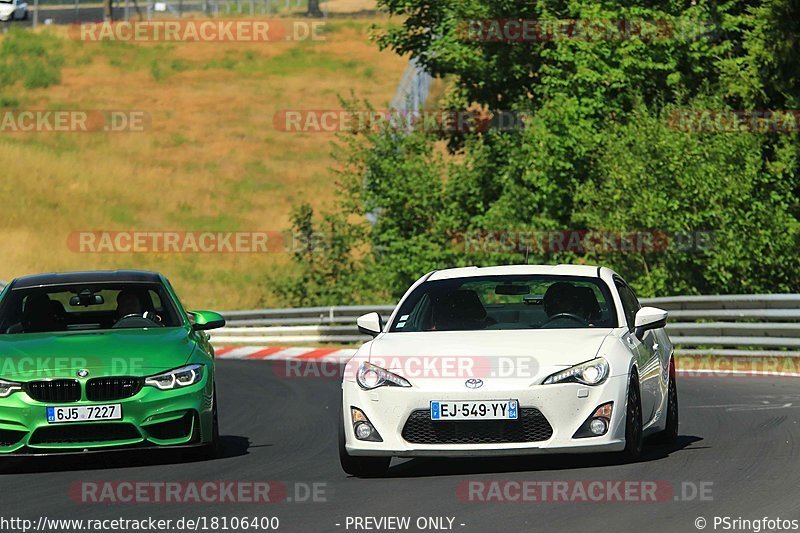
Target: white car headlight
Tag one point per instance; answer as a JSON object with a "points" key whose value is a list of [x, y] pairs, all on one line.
{"points": [[371, 377], [175, 379], [7, 388], [592, 372]]}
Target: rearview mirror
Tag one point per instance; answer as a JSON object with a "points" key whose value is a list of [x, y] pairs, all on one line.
{"points": [[648, 318], [205, 320], [370, 324], [509, 289], [86, 298]]}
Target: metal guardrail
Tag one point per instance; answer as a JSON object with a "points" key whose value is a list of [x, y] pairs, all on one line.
{"points": [[731, 325], [414, 88], [303, 325]]}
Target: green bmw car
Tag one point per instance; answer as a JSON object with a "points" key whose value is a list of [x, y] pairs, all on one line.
{"points": [[93, 361]]}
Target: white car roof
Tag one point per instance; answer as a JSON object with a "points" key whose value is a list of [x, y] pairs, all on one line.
{"points": [[554, 270]]}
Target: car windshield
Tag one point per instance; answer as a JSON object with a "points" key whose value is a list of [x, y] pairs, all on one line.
{"points": [[95, 306], [507, 302]]}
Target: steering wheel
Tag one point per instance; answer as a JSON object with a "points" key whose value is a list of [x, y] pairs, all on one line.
{"points": [[135, 320], [567, 316]]}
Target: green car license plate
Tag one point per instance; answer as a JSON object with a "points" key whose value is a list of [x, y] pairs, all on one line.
{"points": [[84, 413]]}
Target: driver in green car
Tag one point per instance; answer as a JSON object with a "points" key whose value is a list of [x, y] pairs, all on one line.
{"points": [[129, 303]]}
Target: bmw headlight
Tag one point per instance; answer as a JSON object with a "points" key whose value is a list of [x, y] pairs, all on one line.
{"points": [[7, 388], [175, 379], [371, 377], [592, 372]]}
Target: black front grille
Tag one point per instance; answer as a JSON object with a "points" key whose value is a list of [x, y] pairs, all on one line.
{"points": [[531, 426], [55, 391], [114, 388], [174, 429], [77, 433], [9, 437]]}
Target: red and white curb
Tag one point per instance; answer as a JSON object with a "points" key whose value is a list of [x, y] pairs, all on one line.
{"points": [[284, 353]]}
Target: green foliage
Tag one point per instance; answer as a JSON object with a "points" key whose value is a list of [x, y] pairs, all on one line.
{"points": [[599, 151], [40, 75], [32, 58], [682, 184], [330, 273]]}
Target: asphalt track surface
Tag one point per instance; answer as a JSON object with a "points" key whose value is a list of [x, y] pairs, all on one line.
{"points": [[738, 436]]}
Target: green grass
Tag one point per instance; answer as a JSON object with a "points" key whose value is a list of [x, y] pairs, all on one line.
{"points": [[35, 61]]}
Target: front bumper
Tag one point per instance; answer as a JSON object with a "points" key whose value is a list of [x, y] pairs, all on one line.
{"points": [[565, 406], [151, 418]]}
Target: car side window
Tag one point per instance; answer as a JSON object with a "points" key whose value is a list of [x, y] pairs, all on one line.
{"points": [[630, 304]]}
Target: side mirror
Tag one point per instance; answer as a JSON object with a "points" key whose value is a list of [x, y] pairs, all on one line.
{"points": [[370, 324], [205, 320], [649, 318]]}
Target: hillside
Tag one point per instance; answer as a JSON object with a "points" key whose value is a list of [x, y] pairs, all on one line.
{"points": [[210, 158]]}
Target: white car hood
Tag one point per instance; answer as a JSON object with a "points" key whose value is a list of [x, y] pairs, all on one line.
{"points": [[517, 356]]}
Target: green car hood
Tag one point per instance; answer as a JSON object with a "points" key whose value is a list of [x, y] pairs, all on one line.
{"points": [[120, 352]]}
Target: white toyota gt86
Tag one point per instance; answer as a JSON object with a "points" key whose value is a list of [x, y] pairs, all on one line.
{"points": [[509, 360]]}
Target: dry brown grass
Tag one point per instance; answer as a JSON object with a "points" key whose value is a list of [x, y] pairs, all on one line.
{"points": [[211, 159]]}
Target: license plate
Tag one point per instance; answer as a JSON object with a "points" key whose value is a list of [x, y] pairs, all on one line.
{"points": [[84, 413], [482, 410]]}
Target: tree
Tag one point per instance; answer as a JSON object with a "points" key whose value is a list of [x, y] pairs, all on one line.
{"points": [[314, 9], [598, 151]]}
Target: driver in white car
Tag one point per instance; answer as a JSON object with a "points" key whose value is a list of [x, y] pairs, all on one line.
{"points": [[564, 300]]}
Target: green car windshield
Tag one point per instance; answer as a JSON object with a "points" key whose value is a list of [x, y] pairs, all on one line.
{"points": [[95, 306]]}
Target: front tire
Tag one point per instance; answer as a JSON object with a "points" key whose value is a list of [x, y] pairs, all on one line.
{"points": [[213, 449], [360, 466], [670, 433], [633, 423]]}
